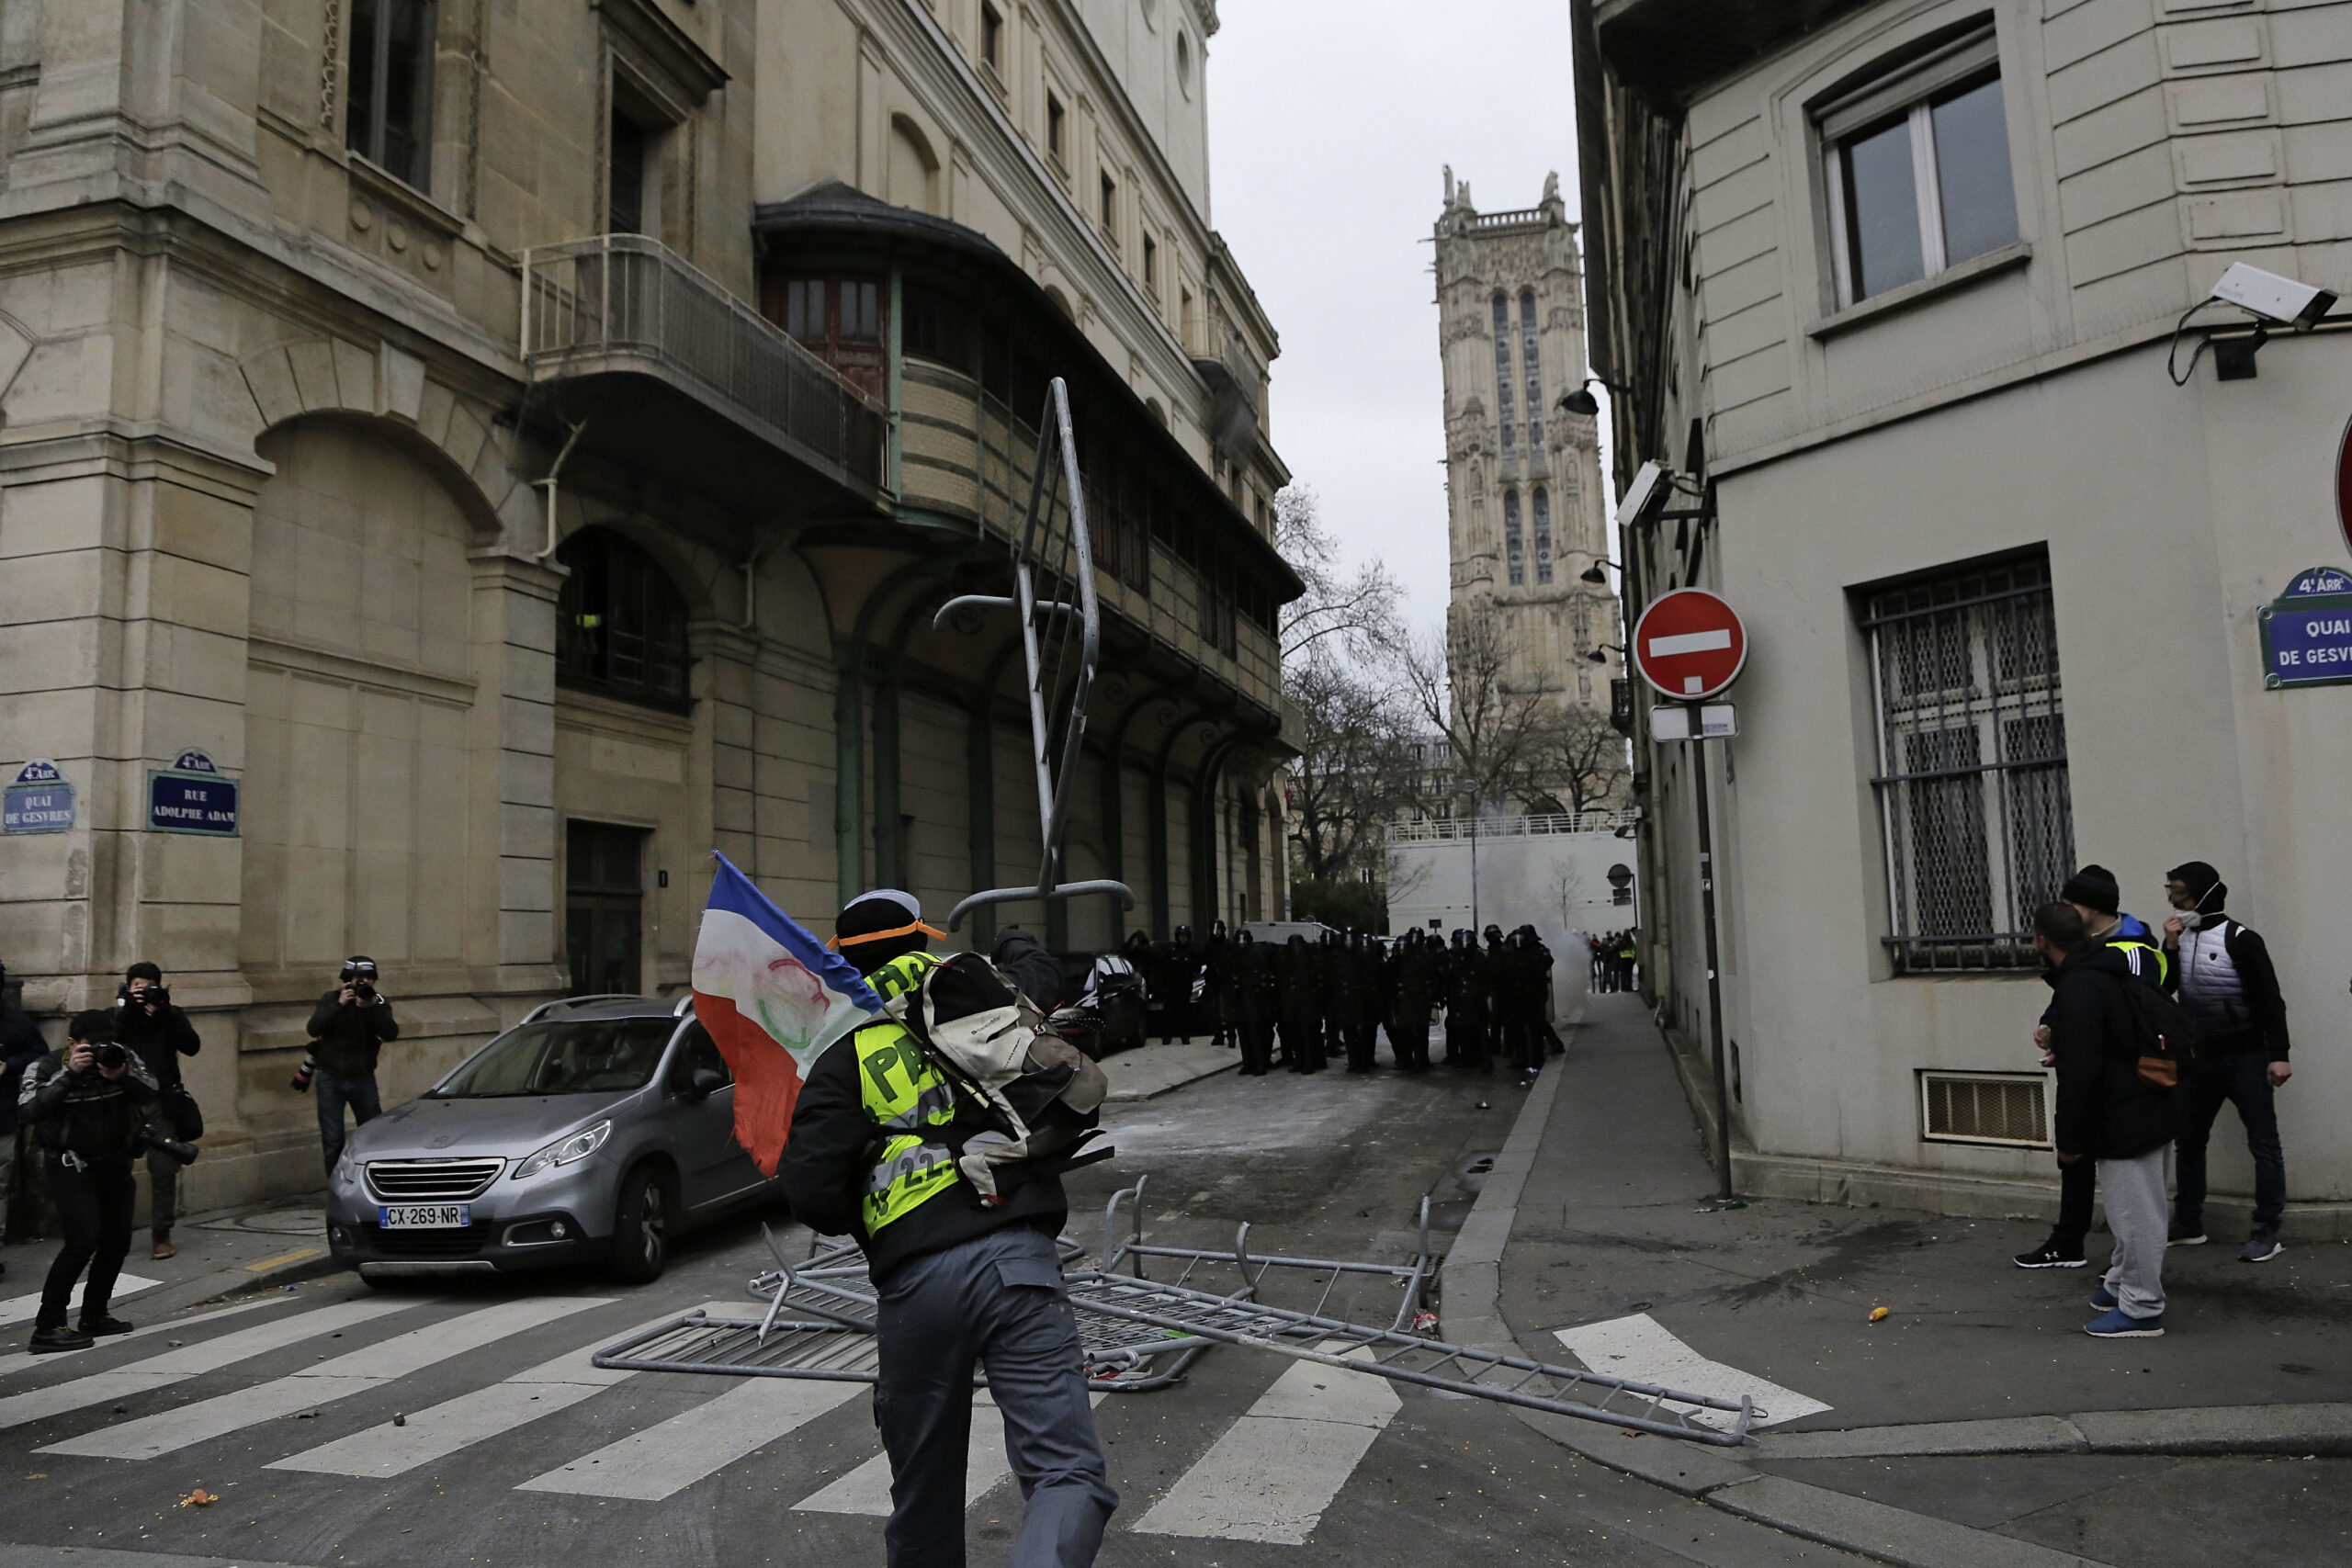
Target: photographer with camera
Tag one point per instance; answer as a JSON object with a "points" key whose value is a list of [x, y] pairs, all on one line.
{"points": [[146, 1022], [91, 1107], [348, 1028]]}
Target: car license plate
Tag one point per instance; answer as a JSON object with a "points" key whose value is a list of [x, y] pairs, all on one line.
{"points": [[425, 1216]]}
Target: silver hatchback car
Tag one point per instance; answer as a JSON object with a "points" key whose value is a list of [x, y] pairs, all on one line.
{"points": [[596, 1130]]}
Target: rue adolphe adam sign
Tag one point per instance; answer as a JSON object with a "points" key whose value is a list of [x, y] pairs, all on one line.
{"points": [[191, 797], [40, 800]]}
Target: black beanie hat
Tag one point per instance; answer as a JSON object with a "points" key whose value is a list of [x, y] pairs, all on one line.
{"points": [[2093, 887], [2204, 884]]}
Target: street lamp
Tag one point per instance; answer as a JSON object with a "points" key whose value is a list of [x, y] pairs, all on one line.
{"points": [[1601, 651], [1582, 402]]}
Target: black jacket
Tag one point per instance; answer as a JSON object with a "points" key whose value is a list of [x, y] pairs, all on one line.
{"points": [[345, 1040], [21, 1046], [160, 1039], [832, 1153], [2104, 1109], [86, 1114], [1031, 966]]}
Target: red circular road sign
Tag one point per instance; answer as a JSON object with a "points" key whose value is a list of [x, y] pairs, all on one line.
{"points": [[2344, 484], [1690, 645]]}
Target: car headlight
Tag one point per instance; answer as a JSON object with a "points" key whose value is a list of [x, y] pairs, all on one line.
{"points": [[346, 1169], [563, 1151]]}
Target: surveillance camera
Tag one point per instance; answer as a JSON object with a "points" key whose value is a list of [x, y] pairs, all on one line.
{"points": [[1650, 485], [2273, 298]]}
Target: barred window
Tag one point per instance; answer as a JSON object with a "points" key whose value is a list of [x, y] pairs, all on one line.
{"points": [[1971, 756], [1514, 549]]}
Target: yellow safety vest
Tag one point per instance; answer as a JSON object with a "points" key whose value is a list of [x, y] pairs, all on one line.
{"points": [[907, 1097], [2164, 965]]}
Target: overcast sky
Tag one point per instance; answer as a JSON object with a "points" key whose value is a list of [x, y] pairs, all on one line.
{"points": [[1330, 123]]}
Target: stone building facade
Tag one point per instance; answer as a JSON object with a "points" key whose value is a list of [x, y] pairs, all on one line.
{"points": [[521, 448], [1527, 519], [1896, 289]]}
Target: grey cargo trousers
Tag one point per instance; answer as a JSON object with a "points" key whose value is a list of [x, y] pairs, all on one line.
{"points": [[999, 1301]]}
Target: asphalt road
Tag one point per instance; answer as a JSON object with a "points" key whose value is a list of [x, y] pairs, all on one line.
{"points": [[509, 1449]]}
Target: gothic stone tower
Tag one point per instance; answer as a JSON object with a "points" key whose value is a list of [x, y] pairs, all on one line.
{"points": [[1523, 478]]}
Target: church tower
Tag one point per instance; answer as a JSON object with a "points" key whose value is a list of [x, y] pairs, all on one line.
{"points": [[1526, 514]]}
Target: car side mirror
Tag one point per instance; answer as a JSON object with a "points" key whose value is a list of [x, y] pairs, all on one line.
{"points": [[705, 1082]]}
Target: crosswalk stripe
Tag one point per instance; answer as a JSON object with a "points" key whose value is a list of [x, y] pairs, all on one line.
{"points": [[1272, 1474], [444, 1428], [14, 1362], [192, 1361], [339, 1378], [1643, 1350], [866, 1490], [16, 1309], [652, 1465]]}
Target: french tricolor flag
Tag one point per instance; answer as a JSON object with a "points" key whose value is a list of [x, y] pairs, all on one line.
{"points": [[772, 998]]}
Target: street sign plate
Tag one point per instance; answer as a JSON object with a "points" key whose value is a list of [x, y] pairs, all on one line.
{"points": [[40, 801], [1690, 645], [2307, 631], [1672, 721]]}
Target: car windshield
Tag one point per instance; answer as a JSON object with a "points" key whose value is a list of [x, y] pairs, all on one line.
{"points": [[563, 1056]]}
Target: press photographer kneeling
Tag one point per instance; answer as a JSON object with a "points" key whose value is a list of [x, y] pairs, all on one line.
{"points": [[92, 1106]]}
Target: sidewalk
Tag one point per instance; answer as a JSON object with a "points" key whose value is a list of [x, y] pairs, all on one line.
{"points": [[257, 1246], [1614, 1225], [1147, 1071]]}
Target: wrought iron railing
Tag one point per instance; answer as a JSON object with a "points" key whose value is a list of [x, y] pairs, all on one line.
{"points": [[1445, 829], [586, 302]]}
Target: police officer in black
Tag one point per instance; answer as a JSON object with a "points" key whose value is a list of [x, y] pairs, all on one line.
{"points": [[1257, 1002], [1302, 1006], [91, 1108], [1468, 1021], [1217, 971], [1416, 992]]}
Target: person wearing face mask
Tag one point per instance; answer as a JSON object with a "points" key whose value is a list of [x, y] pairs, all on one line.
{"points": [[2228, 985]]}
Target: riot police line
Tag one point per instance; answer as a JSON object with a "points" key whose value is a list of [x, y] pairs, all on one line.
{"points": [[1304, 1005]]}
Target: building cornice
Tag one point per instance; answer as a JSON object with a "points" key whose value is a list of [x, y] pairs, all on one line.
{"points": [[926, 48]]}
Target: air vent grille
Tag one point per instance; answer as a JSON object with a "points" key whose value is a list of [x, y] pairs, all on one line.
{"points": [[1985, 1108]]}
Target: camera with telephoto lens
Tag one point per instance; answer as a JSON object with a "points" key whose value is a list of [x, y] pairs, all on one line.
{"points": [[110, 1055], [184, 1153], [361, 977]]}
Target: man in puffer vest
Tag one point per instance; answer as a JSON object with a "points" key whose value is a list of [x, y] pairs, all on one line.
{"points": [[960, 1281], [2228, 985]]}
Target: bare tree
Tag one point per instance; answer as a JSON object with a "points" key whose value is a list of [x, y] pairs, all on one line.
{"points": [[1461, 684], [1576, 761], [1354, 768], [1354, 610]]}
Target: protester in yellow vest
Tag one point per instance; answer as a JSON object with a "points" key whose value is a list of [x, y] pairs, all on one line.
{"points": [[961, 1282]]}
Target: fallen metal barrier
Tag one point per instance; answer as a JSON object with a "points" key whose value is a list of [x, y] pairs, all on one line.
{"points": [[1141, 1334]]}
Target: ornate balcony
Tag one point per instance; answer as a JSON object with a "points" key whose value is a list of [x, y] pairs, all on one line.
{"points": [[672, 376]]}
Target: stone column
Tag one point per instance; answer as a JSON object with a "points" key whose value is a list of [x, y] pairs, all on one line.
{"points": [[513, 927]]}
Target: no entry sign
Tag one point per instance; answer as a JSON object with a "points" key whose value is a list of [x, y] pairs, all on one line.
{"points": [[1690, 645]]}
